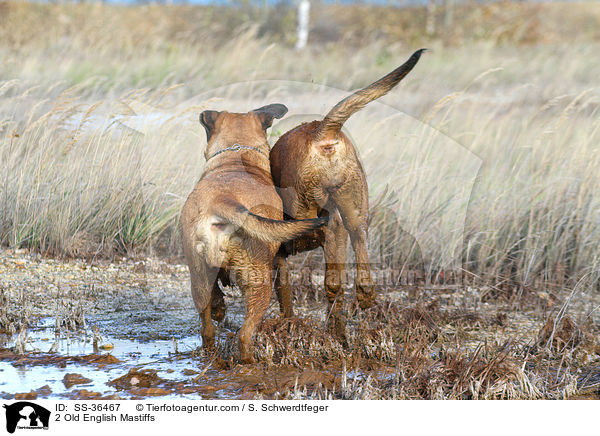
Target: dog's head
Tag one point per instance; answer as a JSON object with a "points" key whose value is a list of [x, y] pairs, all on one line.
{"points": [[223, 129]]}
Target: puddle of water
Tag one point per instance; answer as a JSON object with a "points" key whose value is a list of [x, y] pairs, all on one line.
{"points": [[169, 358], [184, 373]]}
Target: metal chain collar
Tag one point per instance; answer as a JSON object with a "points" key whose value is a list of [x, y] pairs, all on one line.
{"points": [[237, 147]]}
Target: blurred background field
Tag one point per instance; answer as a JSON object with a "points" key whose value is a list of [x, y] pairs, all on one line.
{"points": [[100, 145], [483, 178]]}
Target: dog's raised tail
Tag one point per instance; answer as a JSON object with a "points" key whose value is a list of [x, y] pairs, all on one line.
{"points": [[267, 229], [332, 124]]}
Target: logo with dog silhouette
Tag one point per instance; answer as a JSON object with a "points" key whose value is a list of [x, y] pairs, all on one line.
{"points": [[26, 415]]}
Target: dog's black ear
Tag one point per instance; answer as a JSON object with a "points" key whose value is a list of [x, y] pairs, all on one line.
{"points": [[267, 113], [208, 120]]}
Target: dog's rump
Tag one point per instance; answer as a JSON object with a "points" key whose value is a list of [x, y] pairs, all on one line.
{"points": [[214, 234]]}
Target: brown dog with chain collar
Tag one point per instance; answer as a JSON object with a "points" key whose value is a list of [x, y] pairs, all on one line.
{"points": [[318, 173], [231, 223]]}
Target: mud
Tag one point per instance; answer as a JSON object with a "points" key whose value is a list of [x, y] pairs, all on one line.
{"points": [[128, 329]]}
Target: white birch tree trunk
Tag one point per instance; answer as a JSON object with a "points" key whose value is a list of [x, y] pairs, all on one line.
{"points": [[430, 20], [303, 16]]}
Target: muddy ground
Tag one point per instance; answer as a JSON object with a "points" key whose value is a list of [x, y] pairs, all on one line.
{"points": [[128, 329]]}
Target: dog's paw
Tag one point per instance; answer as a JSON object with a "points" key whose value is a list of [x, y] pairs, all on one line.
{"points": [[365, 300]]}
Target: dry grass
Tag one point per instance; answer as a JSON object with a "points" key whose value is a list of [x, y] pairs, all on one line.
{"points": [[505, 83], [424, 352]]}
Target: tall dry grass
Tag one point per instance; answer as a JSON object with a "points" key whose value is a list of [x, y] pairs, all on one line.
{"points": [[495, 170]]}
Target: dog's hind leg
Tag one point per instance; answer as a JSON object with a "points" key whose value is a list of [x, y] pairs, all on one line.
{"points": [[203, 280], [334, 247], [257, 285], [365, 292], [208, 328], [355, 221]]}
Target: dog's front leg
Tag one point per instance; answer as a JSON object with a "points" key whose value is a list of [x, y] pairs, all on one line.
{"points": [[282, 284], [218, 300]]}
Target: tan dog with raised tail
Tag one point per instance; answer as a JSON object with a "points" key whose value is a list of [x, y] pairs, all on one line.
{"points": [[316, 169], [231, 223]]}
